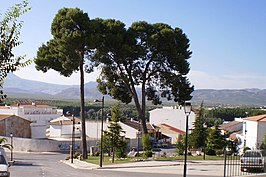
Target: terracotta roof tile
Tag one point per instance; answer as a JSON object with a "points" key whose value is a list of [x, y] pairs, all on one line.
{"points": [[169, 127], [259, 118]]}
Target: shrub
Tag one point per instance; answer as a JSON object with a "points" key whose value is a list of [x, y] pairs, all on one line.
{"points": [[211, 152], [147, 154]]}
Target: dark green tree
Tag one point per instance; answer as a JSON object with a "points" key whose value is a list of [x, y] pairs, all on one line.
{"points": [[180, 145], [216, 141], [10, 27], [69, 51], [113, 136], [199, 133], [152, 57]]}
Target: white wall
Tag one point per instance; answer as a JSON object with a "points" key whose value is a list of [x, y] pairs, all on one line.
{"points": [[93, 129], [38, 131], [129, 131], [251, 135], [171, 116], [55, 131]]}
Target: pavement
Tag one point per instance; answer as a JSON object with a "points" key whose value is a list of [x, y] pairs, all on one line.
{"points": [[204, 168]]}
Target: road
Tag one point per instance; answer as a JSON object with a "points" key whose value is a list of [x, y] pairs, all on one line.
{"points": [[49, 165]]}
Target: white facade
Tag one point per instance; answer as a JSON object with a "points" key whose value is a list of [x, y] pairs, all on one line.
{"points": [[62, 127], [93, 129], [39, 115], [173, 116], [255, 131], [130, 132]]}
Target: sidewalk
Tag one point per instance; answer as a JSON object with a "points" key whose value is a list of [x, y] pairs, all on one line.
{"points": [[204, 168], [85, 165]]}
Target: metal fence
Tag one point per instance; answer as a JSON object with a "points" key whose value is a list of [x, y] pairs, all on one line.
{"points": [[251, 163]]}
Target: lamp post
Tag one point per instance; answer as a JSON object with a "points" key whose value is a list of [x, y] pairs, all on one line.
{"points": [[73, 136], [11, 152], [101, 156], [187, 109]]}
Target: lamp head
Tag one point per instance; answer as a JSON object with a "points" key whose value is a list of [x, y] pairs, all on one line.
{"points": [[187, 107]]}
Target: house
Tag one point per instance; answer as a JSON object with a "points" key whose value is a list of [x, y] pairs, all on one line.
{"points": [[173, 116], [254, 130], [62, 127], [231, 127], [171, 132], [16, 125], [38, 114]]}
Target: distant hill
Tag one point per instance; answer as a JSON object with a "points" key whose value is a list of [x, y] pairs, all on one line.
{"points": [[15, 86]]}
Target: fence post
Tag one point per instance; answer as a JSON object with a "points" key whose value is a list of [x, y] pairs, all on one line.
{"points": [[225, 156]]}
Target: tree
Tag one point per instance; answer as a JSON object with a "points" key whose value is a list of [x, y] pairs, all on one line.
{"points": [[68, 51], [2, 141], [10, 27], [152, 57], [180, 145], [199, 133], [113, 136], [216, 141]]}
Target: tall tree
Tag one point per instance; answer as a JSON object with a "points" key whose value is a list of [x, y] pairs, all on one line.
{"points": [[152, 57], [113, 134], [10, 27], [199, 132], [69, 51]]}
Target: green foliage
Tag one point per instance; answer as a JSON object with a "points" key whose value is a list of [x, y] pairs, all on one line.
{"points": [[113, 140], [151, 56], [228, 114], [70, 49], [180, 148], [3, 144], [146, 142], [199, 134], [10, 28], [147, 154], [215, 140]]}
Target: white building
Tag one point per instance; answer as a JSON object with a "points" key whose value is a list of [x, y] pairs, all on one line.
{"points": [[62, 127], [254, 130], [93, 128], [173, 116], [39, 115]]}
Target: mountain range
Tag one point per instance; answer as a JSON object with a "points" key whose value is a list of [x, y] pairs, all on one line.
{"points": [[15, 86]]}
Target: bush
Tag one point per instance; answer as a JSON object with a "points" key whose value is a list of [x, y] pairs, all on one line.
{"points": [[147, 154], [219, 152], [211, 152], [96, 153], [76, 155]]}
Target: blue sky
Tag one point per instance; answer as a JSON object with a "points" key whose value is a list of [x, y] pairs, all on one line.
{"points": [[227, 37]]}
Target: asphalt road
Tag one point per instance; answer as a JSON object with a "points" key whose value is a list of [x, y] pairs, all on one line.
{"points": [[49, 165]]}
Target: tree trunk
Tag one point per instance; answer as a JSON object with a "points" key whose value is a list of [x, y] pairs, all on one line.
{"points": [[82, 113], [113, 159]]}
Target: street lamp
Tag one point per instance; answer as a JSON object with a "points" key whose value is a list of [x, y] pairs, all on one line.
{"points": [[11, 139], [187, 109], [101, 156], [72, 137]]}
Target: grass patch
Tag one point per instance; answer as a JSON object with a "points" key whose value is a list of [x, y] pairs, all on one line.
{"points": [[108, 160]]}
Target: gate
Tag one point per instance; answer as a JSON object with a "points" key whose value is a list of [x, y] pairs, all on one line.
{"points": [[234, 166]]}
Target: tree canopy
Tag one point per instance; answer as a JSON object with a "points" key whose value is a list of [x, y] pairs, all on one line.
{"points": [[152, 57], [68, 51], [10, 27]]}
